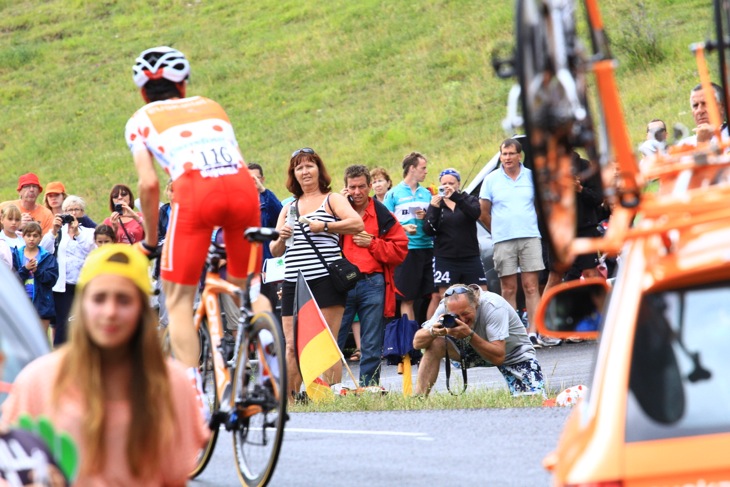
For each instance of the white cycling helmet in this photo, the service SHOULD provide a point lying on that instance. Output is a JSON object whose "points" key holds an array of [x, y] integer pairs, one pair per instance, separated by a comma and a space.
{"points": [[160, 62]]}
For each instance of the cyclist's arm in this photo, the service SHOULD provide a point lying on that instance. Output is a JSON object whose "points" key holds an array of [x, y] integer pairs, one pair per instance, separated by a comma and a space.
{"points": [[149, 195], [349, 221]]}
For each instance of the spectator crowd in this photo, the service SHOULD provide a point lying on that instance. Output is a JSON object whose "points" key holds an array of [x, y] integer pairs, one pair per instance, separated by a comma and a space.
{"points": [[415, 245], [411, 243]]}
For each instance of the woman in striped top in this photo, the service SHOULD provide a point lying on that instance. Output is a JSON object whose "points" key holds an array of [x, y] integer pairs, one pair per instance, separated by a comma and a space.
{"points": [[326, 215]]}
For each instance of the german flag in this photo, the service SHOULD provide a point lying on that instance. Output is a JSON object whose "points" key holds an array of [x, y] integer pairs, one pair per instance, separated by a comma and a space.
{"points": [[316, 348]]}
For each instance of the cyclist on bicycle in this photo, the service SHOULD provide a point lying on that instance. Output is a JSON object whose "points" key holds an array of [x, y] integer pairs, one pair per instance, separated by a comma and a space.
{"points": [[193, 140]]}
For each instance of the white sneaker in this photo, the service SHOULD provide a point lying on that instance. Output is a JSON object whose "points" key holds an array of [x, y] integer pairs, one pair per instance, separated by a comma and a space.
{"points": [[548, 342], [339, 389], [196, 381]]}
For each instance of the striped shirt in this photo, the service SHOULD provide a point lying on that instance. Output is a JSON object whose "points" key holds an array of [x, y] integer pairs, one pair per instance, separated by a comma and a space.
{"points": [[300, 254]]}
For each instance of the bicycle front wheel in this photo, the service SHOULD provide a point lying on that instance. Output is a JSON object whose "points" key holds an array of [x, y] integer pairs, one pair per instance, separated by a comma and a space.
{"points": [[259, 400], [209, 388], [554, 113]]}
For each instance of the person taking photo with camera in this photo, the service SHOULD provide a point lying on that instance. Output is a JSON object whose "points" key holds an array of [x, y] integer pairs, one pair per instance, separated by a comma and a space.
{"points": [[479, 329], [70, 242], [451, 219], [127, 223]]}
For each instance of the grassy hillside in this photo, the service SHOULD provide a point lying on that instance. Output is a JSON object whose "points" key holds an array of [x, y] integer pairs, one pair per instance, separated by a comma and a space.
{"points": [[361, 82]]}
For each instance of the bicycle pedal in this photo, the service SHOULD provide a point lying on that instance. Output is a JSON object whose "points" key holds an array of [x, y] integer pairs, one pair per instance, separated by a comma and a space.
{"points": [[216, 419]]}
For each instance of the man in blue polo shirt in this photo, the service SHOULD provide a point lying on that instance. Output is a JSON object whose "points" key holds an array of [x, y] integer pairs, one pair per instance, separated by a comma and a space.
{"points": [[507, 200], [408, 202]]}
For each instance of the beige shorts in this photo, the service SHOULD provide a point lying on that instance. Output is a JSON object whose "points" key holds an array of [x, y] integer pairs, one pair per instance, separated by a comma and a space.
{"points": [[519, 254]]}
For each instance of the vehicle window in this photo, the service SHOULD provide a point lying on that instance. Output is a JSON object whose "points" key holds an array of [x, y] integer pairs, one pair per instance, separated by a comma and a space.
{"points": [[679, 384]]}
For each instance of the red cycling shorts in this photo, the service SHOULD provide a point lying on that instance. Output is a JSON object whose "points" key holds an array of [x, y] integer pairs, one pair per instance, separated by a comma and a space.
{"points": [[198, 206]]}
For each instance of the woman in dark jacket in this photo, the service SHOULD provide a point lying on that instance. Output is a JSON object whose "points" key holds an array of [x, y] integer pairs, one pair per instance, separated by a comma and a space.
{"points": [[451, 219]]}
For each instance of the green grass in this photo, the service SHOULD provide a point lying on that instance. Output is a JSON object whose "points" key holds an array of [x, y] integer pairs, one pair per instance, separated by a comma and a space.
{"points": [[362, 82], [395, 401]]}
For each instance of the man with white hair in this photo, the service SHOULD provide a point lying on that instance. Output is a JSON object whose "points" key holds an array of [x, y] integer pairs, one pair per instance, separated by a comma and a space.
{"points": [[704, 131], [478, 329]]}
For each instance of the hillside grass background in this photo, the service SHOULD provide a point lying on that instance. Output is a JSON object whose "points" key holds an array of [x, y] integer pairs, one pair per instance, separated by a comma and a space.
{"points": [[361, 82]]}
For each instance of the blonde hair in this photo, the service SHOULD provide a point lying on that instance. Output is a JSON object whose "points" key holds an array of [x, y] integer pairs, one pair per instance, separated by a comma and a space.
{"points": [[10, 211], [150, 397]]}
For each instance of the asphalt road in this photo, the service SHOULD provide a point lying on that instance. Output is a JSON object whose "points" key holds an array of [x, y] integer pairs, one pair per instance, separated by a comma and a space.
{"points": [[490, 447]]}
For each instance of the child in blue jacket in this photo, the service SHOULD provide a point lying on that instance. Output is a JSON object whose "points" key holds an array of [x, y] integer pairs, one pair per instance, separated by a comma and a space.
{"points": [[38, 272]]}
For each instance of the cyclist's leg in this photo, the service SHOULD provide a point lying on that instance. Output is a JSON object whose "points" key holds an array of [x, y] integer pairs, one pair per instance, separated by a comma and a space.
{"points": [[183, 257], [242, 212], [261, 303], [183, 335]]}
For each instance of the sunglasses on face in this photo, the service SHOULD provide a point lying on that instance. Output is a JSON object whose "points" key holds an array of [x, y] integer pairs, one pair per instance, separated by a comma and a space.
{"points": [[456, 290], [305, 150]]}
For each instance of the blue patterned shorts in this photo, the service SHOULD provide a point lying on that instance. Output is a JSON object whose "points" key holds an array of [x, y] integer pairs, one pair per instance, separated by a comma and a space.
{"points": [[523, 378]]}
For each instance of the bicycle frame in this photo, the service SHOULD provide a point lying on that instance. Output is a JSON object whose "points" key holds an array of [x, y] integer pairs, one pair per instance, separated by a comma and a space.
{"points": [[210, 308]]}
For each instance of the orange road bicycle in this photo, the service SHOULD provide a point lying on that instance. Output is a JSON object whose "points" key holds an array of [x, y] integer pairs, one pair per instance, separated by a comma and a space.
{"points": [[243, 373]]}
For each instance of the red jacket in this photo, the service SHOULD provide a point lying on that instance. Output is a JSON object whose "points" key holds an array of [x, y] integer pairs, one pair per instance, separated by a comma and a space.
{"points": [[387, 250]]}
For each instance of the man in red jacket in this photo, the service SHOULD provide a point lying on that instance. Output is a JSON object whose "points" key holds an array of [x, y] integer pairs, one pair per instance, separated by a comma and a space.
{"points": [[376, 251]]}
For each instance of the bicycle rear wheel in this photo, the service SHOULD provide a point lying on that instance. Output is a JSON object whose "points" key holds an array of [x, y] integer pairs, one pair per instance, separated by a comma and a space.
{"points": [[209, 388], [259, 400]]}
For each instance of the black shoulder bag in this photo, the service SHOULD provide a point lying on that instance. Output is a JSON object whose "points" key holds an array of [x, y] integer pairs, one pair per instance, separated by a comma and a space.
{"points": [[344, 274]]}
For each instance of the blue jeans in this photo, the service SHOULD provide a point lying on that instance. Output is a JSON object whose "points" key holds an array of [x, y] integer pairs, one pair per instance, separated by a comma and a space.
{"points": [[367, 300]]}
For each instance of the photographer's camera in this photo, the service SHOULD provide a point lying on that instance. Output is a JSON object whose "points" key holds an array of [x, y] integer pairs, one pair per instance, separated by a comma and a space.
{"points": [[66, 219], [448, 320]]}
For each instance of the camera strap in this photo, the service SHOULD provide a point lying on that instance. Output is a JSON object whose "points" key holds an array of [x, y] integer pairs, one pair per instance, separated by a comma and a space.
{"points": [[57, 242], [129, 237], [448, 365]]}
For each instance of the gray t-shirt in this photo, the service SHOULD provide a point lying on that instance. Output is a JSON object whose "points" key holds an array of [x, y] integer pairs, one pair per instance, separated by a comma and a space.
{"points": [[496, 320]]}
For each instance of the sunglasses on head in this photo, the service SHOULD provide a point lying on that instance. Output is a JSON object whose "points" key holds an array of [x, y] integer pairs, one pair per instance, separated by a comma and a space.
{"points": [[306, 150], [456, 290]]}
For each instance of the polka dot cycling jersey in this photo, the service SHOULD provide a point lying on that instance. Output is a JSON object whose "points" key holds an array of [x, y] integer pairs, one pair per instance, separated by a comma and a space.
{"points": [[186, 134]]}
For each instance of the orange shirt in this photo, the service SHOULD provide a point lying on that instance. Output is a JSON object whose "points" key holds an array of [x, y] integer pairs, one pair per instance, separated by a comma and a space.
{"points": [[41, 214], [31, 393]]}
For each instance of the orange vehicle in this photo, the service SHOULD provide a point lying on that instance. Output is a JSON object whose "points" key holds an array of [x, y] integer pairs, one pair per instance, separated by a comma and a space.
{"points": [[658, 409]]}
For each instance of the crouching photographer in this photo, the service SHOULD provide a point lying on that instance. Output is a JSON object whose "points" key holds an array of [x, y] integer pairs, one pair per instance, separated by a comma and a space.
{"points": [[480, 329]]}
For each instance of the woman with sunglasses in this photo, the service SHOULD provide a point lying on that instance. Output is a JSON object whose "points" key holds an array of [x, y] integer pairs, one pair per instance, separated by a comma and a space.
{"points": [[130, 411], [323, 215], [127, 223], [451, 219]]}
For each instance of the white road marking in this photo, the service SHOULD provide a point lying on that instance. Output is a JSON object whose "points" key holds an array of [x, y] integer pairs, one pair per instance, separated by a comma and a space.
{"points": [[355, 432]]}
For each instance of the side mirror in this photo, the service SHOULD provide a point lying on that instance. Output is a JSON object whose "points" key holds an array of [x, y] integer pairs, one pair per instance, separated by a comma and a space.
{"points": [[573, 309]]}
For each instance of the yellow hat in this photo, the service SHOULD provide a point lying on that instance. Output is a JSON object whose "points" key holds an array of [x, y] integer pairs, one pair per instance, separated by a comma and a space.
{"points": [[119, 260]]}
